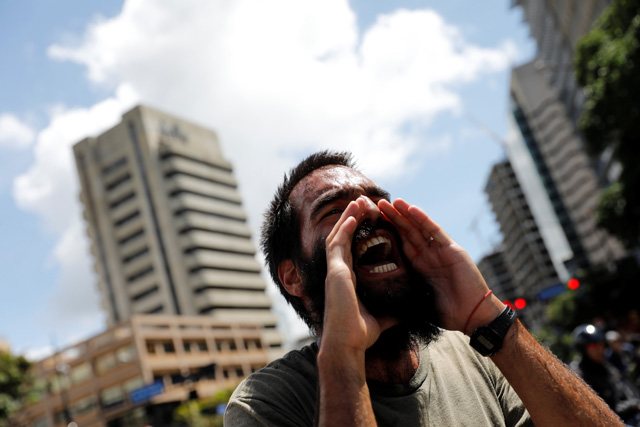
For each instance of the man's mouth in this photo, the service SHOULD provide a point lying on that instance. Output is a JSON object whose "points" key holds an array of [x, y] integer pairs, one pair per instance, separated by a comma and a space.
{"points": [[375, 255]]}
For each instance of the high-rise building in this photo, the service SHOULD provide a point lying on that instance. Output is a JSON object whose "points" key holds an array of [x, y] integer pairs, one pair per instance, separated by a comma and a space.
{"points": [[562, 164], [167, 228], [525, 253], [497, 275], [557, 26]]}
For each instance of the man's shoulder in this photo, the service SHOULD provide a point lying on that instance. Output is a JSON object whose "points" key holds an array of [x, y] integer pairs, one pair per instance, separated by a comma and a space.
{"points": [[296, 364], [286, 386]]}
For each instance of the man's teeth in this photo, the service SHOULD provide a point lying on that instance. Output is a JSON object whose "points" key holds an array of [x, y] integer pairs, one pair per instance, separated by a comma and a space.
{"points": [[376, 241], [384, 268]]}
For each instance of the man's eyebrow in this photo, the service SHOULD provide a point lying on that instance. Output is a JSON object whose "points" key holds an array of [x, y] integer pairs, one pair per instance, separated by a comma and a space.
{"points": [[344, 194], [375, 191]]}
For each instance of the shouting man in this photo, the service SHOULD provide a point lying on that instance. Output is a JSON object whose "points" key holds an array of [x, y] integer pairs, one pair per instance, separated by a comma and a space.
{"points": [[391, 296]]}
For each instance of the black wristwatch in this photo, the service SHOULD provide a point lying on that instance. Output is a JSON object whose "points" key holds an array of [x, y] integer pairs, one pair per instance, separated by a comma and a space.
{"points": [[487, 340]]}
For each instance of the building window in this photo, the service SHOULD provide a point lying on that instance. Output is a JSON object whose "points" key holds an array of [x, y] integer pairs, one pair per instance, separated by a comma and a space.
{"points": [[151, 347], [80, 373], [145, 293], [115, 165], [111, 397], [122, 221], [58, 383], [250, 344], [133, 384], [118, 182], [139, 274], [135, 255], [83, 406], [124, 199], [156, 310], [177, 378], [105, 363], [168, 347], [126, 354], [130, 237]]}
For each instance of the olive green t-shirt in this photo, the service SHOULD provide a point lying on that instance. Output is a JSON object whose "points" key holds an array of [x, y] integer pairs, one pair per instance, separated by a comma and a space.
{"points": [[453, 386]]}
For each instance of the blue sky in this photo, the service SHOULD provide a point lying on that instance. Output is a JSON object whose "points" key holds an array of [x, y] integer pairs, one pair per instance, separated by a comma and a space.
{"points": [[393, 81]]}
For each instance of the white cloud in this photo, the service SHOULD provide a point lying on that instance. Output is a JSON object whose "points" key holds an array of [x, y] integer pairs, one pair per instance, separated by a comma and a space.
{"points": [[14, 134], [50, 189], [36, 354], [276, 79], [75, 297], [50, 186]]}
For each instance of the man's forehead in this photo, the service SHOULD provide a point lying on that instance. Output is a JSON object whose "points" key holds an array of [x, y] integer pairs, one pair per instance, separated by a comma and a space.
{"points": [[329, 178]]}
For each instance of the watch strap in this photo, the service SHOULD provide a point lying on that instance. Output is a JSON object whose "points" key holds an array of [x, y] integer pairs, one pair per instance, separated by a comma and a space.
{"points": [[487, 340]]}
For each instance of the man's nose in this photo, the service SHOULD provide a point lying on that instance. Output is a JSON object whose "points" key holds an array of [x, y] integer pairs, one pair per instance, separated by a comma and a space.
{"points": [[371, 213]]}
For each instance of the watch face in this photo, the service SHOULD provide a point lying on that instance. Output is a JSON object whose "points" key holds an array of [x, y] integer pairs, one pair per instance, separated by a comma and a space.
{"points": [[486, 341]]}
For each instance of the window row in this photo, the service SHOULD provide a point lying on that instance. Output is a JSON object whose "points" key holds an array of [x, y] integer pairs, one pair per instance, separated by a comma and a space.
{"points": [[200, 346]]}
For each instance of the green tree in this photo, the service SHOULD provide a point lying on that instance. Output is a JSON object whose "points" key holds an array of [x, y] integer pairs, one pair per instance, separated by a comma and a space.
{"points": [[13, 383], [607, 66], [203, 413]]}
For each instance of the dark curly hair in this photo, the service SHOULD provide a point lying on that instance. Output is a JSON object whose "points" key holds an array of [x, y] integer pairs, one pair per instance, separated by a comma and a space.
{"points": [[280, 238]]}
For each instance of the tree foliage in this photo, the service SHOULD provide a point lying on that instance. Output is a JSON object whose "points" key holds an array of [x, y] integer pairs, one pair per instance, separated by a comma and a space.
{"points": [[607, 66], [204, 413], [13, 383], [609, 294]]}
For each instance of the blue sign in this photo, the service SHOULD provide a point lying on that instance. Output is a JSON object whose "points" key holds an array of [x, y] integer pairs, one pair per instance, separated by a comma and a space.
{"points": [[146, 392], [551, 291]]}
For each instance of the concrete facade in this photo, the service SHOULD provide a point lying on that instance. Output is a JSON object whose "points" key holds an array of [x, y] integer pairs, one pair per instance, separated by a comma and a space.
{"points": [[497, 275], [524, 253], [168, 231], [557, 26], [569, 178], [97, 383]]}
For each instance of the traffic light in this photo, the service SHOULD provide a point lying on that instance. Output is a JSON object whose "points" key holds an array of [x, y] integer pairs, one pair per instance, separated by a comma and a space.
{"points": [[517, 304], [573, 284]]}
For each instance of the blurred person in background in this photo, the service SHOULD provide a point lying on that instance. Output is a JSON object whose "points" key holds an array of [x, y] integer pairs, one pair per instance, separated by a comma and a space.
{"points": [[602, 376], [620, 353]]}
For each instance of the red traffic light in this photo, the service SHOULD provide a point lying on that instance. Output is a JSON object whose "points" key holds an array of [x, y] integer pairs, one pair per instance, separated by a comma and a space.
{"points": [[573, 284], [520, 303], [509, 303]]}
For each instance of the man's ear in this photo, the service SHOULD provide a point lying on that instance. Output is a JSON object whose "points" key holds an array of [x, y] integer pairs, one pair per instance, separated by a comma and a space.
{"points": [[290, 277]]}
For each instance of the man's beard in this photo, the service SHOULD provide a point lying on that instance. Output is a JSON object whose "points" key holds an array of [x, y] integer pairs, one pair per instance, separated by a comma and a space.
{"points": [[408, 298]]}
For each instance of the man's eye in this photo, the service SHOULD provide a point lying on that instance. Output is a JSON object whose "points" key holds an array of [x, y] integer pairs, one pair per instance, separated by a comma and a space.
{"points": [[332, 212]]}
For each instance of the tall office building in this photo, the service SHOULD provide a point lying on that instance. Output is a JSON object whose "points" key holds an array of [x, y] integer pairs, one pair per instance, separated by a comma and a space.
{"points": [[167, 227], [557, 26], [525, 254], [562, 164], [493, 268]]}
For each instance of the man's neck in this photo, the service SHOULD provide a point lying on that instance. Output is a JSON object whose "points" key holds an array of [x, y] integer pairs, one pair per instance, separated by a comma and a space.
{"points": [[398, 370]]}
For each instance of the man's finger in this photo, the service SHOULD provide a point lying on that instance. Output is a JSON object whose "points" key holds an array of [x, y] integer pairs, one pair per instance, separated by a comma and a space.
{"points": [[412, 233], [422, 221], [350, 211]]}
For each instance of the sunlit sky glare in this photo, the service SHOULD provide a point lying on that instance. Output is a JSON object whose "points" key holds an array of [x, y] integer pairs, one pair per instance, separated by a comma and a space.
{"points": [[392, 81]]}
